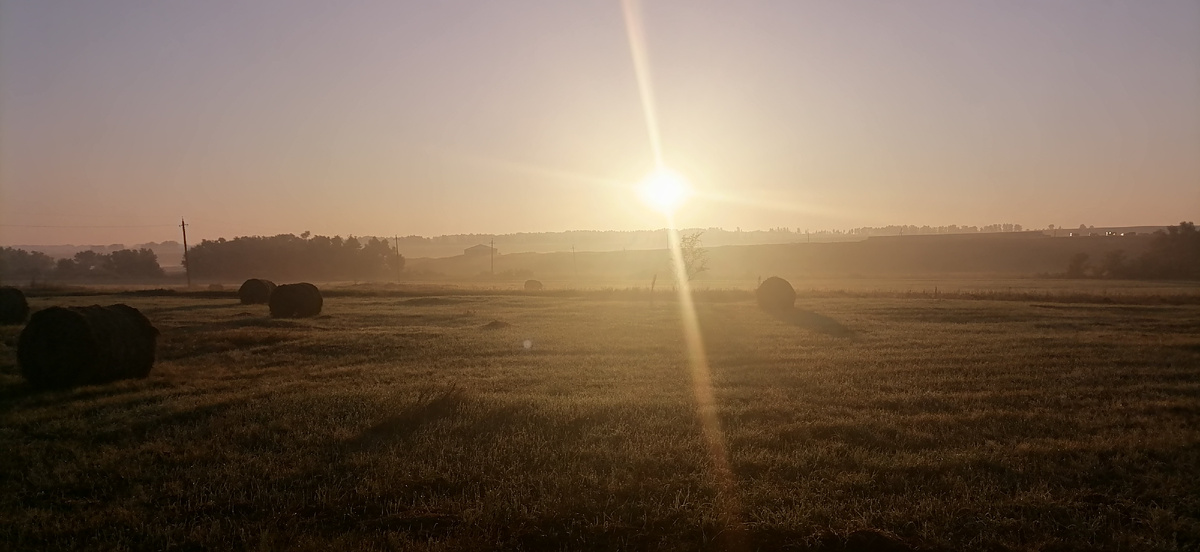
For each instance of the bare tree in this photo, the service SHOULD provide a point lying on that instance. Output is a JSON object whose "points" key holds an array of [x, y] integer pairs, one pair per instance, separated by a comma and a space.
{"points": [[695, 257]]}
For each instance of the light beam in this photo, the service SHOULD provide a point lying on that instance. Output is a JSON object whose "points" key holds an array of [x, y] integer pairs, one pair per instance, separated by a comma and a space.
{"points": [[706, 405]]}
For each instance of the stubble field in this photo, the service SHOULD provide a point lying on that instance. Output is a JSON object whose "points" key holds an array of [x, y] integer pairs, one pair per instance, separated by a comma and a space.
{"points": [[569, 421]]}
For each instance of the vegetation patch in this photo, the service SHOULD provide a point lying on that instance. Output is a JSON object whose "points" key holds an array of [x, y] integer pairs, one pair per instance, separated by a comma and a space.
{"points": [[933, 424]]}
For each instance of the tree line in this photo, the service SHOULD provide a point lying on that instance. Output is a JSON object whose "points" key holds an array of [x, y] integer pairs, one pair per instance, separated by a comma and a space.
{"points": [[122, 264], [283, 257], [1174, 254], [912, 229], [291, 257]]}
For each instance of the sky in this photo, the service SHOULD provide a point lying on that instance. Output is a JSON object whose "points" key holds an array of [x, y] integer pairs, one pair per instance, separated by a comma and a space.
{"points": [[118, 118]]}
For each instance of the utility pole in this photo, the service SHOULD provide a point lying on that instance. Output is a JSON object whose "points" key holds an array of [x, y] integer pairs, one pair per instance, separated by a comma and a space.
{"points": [[493, 270], [397, 238], [187, 267]]}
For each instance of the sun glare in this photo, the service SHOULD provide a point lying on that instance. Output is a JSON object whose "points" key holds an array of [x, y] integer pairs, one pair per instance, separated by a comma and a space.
{"points": [[665, 190]]}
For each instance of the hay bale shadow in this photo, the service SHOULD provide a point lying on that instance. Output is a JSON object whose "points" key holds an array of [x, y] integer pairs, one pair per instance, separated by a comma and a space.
{"points": [[249, 321], [21, 390], [12, 395], [186, 308], [430, 301], [863, 540], [159, 292], [813, 321]]}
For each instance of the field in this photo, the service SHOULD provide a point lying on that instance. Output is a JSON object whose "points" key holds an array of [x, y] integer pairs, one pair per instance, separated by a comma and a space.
{"points": [[561, 421]]}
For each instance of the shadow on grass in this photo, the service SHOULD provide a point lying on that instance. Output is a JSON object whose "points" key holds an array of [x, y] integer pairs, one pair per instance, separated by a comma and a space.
{"points": [[251, 321], [193, 344], [429, 407], [163, 421], [1191, 347], [813, 321], [865, 540], [187, 308], [11, 395], [435, 301], [569, 534]]}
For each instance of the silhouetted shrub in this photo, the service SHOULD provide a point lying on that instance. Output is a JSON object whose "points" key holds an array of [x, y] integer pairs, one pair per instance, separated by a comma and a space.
{"points": [[775, 295], [296, 301], [256, 291], [14, 309], [1078, 265], [533, 285], [69, 346]]}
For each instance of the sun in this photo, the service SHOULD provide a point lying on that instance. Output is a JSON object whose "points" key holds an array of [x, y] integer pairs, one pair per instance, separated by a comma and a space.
{"points": [[664, 190]]}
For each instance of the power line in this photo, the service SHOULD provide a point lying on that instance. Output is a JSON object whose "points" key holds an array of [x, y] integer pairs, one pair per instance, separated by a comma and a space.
{"points": [[87, 226]]}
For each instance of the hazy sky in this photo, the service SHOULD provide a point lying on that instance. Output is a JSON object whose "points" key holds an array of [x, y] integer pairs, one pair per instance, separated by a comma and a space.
{"points": [[390, 117]]}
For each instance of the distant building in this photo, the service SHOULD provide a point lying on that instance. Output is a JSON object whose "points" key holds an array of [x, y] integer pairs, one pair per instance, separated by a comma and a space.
{"points": [[476, 250]]}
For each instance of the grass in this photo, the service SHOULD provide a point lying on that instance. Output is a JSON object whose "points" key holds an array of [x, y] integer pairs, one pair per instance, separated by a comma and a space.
{"points": [[392, 422]]}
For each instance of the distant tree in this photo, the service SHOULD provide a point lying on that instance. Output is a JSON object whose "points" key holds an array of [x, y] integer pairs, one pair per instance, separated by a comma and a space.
{"points": [[1172, 254], [1114, 265], [66, 269], [695, 257], [18, 264], [1078, 265], [88, 262], [120, 264], [129, 263]]}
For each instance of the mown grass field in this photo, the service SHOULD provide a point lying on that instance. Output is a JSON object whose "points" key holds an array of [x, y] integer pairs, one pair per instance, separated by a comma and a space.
{"points": [[560, 422]]}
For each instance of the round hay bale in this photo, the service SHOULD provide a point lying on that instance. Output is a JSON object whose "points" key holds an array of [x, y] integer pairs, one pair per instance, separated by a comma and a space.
{"points": [[776, 295], [69, 346], [256, 291], [296, 301], [533, 285], [14, 309]]}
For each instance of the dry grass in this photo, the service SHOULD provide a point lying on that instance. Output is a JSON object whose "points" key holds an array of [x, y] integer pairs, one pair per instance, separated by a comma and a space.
{"points": [[397, 423]]}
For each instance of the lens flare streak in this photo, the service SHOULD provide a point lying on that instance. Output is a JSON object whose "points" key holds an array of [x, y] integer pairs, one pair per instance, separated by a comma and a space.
{"points": [[706, 405], [706, 402], [641, 69]]}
